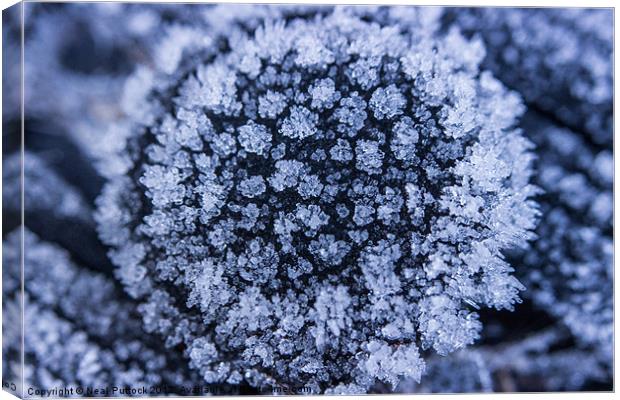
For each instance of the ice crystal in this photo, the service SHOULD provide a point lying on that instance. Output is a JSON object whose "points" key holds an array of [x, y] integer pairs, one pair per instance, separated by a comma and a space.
{"points": [[254, 138], [300, 124]]}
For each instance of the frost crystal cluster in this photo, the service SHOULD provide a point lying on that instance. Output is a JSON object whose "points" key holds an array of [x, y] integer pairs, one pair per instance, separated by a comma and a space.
{"points": [[319, 201]]}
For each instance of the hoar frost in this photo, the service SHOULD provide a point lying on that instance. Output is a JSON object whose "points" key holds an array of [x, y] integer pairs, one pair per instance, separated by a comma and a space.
{"points": [[321, 203], [78, 328]]}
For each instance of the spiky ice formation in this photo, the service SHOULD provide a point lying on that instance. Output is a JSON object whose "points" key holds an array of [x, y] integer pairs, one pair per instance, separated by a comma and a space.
{"points": [[319, 201], [568, 272]]}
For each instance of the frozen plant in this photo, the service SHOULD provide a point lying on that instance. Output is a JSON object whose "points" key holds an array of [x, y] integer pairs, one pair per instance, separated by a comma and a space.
{"points": [[78, 55], [321, 203], [46, 191], [464, 371], [570, 266], [78, 330], [559, 59], [56, 196], [540, 361], [11, 70], [568, 272], [543, 360]]}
